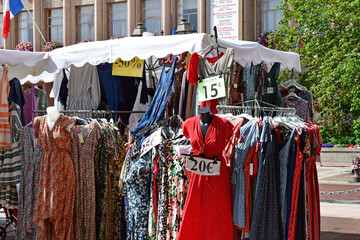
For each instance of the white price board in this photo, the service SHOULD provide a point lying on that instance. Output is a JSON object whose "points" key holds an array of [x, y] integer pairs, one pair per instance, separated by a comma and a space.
{"points": [[203, 166], [150, 142], [211, 88], [224, 14]]}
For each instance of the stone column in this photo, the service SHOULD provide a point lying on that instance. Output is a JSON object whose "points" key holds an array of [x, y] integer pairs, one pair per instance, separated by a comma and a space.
{"points": [[131, 16], [249, 27], [166, 17], [201, 16], [67, 17], [99, 20], [38, 41]]}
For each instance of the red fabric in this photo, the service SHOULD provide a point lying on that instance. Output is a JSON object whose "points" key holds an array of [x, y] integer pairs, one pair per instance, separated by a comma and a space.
{"points": [[295, 190], [229, 149], [6, 25], [193, 76], [208, 208], [211, 104], [248, 185], [313, 188]]}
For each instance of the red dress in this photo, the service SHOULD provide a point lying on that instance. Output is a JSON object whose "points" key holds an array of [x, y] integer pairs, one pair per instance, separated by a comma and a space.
{"points": [[56, 191], [208, 210]]}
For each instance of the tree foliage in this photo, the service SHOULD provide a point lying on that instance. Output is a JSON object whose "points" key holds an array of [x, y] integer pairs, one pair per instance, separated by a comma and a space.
{"points": [[326, 34]]}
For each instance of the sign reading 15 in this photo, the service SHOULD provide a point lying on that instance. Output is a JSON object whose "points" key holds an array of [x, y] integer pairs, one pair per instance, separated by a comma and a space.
{"points": [[211, 88]]}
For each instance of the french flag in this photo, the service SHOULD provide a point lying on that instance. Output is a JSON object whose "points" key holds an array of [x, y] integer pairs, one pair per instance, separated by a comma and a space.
{"points": [[11, 8]]}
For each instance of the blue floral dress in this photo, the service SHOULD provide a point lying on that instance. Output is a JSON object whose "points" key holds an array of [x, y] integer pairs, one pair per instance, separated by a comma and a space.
{"points": [[137, 182]]}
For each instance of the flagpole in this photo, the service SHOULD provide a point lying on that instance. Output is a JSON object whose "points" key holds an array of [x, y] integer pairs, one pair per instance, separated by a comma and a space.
{"points": [[34, 22]]}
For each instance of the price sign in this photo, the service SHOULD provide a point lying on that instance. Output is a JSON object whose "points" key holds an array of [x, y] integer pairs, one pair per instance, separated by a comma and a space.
{"points": [[150, 142], [211, 88], [133, 68], [203, 166]]}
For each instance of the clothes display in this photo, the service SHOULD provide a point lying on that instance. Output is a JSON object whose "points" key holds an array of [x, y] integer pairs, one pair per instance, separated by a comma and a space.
{"points": [[167, 166]]}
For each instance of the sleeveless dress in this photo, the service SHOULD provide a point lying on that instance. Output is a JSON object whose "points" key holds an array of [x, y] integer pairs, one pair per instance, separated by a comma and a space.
{"points": [[207, 211]]}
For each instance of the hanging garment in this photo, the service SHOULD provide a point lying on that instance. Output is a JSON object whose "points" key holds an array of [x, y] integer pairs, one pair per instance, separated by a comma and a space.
{"points": [[84, 88], [56, 190], [30, 105], [108, 83], [157, 106], [178, 189], [300, 144], [244, 151], [303, 109], [266, 222], [16, 95], [284, 159], [10, 164], [31, 156], [5, 136], [135, 118], [248, 81], [207, 211], [222, 66], [271, 92], [172, 105], [138, 185], [83, 147], [129, 87], [64, 91], [41, 99]]}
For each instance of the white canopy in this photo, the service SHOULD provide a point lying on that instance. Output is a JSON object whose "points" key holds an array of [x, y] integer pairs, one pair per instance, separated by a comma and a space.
{"points": [[25, 63]]}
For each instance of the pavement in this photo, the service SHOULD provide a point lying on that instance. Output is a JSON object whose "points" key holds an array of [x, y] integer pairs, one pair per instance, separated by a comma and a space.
{"points": [[340, 213]]}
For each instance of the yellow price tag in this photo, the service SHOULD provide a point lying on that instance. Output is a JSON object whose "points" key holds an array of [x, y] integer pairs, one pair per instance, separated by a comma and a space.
{"points": [[133, 68]]}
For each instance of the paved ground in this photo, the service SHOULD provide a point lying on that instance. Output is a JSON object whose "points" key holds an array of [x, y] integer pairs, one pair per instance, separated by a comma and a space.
{"points": [[340, 213]]}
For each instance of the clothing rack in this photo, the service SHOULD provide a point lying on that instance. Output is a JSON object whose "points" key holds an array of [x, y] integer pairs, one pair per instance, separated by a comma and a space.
{"points": [[223, 109], [161, 123], [92, 111]]}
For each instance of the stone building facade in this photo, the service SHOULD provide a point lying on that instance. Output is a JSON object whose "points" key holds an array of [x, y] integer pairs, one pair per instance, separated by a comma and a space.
{"points": [[71, 21]]}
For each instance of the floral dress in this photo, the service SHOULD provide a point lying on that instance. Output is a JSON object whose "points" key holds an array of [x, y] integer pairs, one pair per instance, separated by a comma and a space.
{"points": [[31, 159], [137, 182], [83, 146], [56, 192]]}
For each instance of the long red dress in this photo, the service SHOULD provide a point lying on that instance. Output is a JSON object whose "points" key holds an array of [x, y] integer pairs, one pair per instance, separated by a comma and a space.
{"points": [[208, 210]]}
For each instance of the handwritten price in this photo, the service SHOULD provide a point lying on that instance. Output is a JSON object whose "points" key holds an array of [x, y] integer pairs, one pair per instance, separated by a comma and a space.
{"points": [[133, 68]]}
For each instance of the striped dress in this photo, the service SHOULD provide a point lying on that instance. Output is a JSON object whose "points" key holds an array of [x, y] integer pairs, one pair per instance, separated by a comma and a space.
{"points": [[5, 135]]}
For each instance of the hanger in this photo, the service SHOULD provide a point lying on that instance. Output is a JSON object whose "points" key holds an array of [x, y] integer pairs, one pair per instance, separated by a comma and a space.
{"points": [[215, 46]]}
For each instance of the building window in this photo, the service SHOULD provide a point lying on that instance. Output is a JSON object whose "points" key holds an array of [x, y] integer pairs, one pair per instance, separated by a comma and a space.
{"points": [[1, 25], [25, 27], [187, 9], [270, 16], [55, 21], [118, 19], [86, 23], [152, 16]]}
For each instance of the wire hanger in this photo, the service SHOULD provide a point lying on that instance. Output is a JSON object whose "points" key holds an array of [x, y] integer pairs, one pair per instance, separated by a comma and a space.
{"points": [[215, 46]]}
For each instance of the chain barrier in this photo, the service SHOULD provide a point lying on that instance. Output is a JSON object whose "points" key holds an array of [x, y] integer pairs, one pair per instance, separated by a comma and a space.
{"points": [[340, 192]]}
